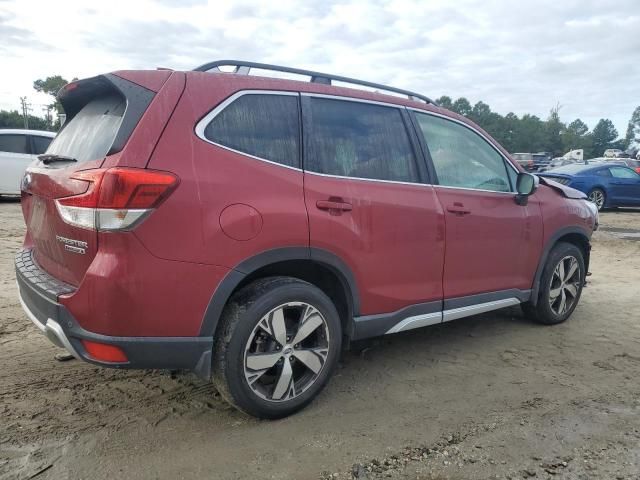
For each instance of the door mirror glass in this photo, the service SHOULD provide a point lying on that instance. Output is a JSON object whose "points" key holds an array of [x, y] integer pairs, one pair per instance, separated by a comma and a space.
{"points": [[526, 184]]}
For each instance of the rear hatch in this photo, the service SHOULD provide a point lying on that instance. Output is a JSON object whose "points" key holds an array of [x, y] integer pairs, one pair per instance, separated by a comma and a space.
{"points": [[102, 112]]}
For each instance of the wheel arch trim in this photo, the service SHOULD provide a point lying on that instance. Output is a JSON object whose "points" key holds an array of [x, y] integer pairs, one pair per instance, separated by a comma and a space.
{"points": [[230, 282], [553, 240]]}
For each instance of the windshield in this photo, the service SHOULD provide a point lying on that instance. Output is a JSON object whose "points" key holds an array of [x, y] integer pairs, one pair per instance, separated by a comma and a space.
{"points": [[91, 132]]}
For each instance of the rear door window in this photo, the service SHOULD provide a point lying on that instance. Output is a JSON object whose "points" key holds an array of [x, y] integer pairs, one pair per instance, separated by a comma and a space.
{"points": [[14, 143], [91, 132], [40, 144], [360, 140], [620, 172], [462, 158], [266, 126]]}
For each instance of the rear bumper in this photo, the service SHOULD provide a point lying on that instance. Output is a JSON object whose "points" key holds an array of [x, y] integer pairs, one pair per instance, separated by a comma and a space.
{"points": [[38, 293]]}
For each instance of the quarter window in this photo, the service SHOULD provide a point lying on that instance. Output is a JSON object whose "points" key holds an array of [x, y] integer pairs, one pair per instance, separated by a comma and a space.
{"points": [[12, 143], [40, 144], [360, 140], [262, 125], [619, 172], [462, 158]]}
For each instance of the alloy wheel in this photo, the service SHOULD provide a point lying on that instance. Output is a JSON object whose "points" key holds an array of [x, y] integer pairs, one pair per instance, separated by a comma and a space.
{"points": [[565, 285], [597, 197], [286, 351]]}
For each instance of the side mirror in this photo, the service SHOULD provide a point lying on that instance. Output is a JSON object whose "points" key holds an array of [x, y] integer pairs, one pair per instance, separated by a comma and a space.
{"points": [[526, 185]]}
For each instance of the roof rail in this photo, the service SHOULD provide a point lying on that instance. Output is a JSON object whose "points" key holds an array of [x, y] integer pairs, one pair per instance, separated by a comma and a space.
{"points": [[242, 67]]}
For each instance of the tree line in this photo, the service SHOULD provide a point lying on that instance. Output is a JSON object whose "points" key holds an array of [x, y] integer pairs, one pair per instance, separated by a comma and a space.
{"points": [[528, 133]]}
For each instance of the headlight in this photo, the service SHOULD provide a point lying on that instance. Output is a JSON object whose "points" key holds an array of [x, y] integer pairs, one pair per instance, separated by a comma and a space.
{"points": [[594, 212]]}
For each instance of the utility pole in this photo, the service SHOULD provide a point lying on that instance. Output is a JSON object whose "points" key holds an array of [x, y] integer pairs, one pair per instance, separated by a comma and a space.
{"points": [[47, 114], [25, 111]]}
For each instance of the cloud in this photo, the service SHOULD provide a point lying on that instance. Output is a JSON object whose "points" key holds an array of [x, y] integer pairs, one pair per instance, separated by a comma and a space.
{"points": [[14, 38], [515, 56]]}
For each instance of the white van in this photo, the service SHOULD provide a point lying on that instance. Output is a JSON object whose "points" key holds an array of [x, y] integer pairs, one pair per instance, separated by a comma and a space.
{"points": [[18, 148]]}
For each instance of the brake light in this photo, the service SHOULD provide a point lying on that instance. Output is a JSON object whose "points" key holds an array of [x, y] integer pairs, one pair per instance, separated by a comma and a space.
{"points": [[116, 198], [638, 170], [104, 352]]}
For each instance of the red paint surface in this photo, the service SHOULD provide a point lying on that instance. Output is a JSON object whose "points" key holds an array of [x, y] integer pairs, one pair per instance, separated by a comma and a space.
{"points": [[392, 239], [158, 279]]}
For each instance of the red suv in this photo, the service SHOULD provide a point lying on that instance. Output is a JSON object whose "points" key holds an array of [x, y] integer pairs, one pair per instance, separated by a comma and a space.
{"points": [[248, 227]]}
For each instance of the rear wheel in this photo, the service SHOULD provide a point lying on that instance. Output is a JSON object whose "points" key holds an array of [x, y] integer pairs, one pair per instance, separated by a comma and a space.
{"points": [[560, 286], [598, 197], [278, 344]]}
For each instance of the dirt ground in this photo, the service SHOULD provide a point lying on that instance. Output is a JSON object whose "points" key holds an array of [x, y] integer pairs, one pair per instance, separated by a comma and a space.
{"points": [[492, 396]]}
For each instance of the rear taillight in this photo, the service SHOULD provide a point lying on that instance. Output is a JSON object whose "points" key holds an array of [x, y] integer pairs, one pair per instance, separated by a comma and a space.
{"points": [[116, 198], [638, 170]]}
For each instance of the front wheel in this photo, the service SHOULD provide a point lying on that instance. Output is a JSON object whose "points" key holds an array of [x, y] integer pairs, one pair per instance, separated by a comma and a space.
{"points": [[279, 342], [560, 285], [598, 197]]}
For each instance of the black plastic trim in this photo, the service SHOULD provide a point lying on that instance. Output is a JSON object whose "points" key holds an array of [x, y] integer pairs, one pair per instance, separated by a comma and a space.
{"points": [[137, 97], [375, 325], [535, 287], [189, 353], [470, 300], [243, 269]]}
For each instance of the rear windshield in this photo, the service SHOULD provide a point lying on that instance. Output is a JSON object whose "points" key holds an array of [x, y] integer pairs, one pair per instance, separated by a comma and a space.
{"points": [[91, 132]]}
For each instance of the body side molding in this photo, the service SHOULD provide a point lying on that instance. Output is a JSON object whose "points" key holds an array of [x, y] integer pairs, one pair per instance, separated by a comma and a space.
{"points": [[431, 313]]}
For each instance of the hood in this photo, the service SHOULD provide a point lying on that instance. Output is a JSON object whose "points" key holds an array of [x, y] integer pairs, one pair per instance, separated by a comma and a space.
{"points": [[568, 192]]}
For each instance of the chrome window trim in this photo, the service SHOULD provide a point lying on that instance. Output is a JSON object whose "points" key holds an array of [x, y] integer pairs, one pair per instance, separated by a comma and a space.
{"points": [[352, 99], [398, 182], [204, 121], [474, 189], [478, 132]]}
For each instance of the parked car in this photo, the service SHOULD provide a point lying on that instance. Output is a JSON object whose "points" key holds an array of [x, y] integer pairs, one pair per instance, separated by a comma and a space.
{"points": [[247, 228], [18, 148], [627, 162], [612, 152], [606, 184], [532, 162]]}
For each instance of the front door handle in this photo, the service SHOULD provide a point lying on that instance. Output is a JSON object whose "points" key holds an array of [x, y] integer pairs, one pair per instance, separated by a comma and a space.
{"points": [[334, 205], [458, 209]]}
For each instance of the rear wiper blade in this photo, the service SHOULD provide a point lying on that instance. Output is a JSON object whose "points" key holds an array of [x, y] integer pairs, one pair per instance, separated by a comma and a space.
{"points": [[48, 158]]}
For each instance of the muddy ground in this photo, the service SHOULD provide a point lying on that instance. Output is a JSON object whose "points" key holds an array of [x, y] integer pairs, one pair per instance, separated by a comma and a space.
{"points": [[492, 396]]}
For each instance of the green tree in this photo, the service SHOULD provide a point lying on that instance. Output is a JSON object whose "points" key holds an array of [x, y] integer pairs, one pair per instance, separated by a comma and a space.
{"points": [[632, 138], [51, 86], [576, 136], [445, 102], [530, 135], [602, 136], [13, 119], [554, 128], [462, 106]]}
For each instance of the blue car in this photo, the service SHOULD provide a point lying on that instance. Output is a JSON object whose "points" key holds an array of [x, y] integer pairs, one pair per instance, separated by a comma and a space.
{"points": [[606, 185]]}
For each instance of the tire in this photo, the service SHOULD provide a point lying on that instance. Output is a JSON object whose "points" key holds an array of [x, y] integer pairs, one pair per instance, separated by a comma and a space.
{"points": [[599, 197], [548, 309], [253, 334]]}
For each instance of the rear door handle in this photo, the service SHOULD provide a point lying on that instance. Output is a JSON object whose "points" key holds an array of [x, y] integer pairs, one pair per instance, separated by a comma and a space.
{"points": [[335, 205], [458, 209]]}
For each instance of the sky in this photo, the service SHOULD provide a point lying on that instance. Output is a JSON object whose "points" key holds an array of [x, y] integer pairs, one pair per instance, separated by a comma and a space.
{"points": [[520, 56]]}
